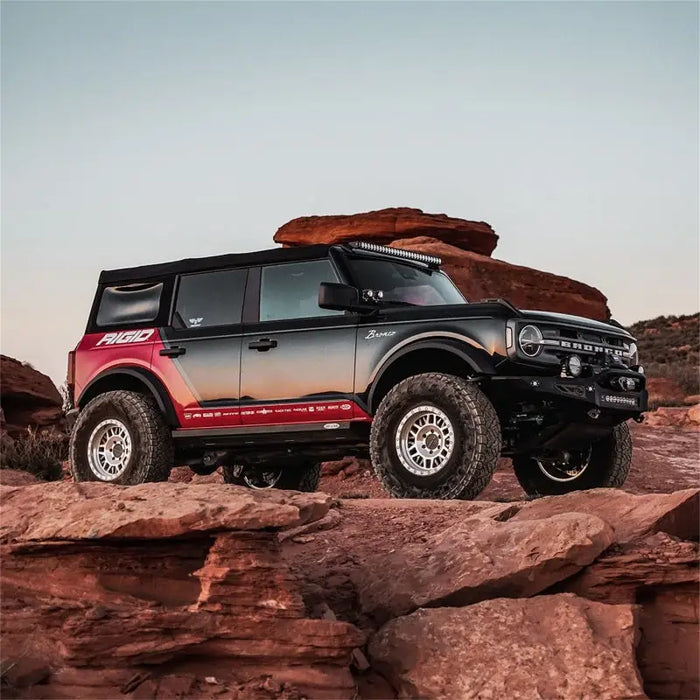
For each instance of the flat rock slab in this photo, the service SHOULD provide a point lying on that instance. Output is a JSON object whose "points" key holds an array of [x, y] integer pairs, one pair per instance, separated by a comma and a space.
{"points": [[630, 515], [547, 647], [481, 558], [93, 511]]}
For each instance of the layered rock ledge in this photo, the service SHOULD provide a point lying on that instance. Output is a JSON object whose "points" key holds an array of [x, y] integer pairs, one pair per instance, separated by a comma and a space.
{"points": [[161, 590]]}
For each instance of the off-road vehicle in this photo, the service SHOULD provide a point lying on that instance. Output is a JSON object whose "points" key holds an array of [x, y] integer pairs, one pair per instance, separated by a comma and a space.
{"points": [[269, 363]]}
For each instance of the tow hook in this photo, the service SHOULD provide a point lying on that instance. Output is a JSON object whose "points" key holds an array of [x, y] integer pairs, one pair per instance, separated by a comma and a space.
{"points": [[638, 419]]}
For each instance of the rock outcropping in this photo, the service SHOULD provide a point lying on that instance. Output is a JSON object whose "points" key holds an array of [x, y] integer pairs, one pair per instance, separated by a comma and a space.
{"points": [[387, 225], [162, 590], [28, 398], [465, 248], [211, 590]]}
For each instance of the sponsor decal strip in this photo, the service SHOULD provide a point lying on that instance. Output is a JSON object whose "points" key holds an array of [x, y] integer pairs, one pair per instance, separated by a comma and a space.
{"points": [[328, 412]]}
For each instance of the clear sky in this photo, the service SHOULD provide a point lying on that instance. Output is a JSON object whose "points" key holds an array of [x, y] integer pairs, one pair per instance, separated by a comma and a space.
{"points": [[141, 132]]}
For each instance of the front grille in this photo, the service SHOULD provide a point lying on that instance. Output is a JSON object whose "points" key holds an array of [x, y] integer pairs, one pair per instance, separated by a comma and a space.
{"points": [[594, 348]]}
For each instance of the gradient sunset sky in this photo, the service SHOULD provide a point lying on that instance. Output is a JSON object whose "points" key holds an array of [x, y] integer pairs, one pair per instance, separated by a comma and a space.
{"points": [[140, 132]]}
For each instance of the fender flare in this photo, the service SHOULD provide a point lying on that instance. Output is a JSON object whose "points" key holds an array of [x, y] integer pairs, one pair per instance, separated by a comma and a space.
{"points": [[478, 359], [155, 388]]}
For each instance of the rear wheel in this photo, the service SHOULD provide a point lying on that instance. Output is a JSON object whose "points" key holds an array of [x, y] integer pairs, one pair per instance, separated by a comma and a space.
{"points": [[121, 437], [435, 436], [603, 464], [304, 477]]}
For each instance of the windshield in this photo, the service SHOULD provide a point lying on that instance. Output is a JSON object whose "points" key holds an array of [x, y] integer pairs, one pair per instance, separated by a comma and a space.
{"points": [[403, 283]]}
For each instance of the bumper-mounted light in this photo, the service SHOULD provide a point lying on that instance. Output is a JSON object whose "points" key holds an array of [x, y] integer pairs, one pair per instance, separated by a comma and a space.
{"points": [[573, 366]]}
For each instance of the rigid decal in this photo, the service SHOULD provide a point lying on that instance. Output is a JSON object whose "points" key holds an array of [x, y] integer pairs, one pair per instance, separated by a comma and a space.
{"points": [[124, 337]]}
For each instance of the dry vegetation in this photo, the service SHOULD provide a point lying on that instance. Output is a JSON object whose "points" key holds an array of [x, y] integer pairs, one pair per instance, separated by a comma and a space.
{"points": [[39, 453], [669, 348]]}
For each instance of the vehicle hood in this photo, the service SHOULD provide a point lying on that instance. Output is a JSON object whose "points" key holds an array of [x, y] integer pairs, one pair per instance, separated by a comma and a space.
{"points": [[569, 320]]}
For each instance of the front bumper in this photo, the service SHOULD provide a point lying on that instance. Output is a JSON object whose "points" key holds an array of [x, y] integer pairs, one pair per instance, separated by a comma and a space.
{"points": [[590, 392]]}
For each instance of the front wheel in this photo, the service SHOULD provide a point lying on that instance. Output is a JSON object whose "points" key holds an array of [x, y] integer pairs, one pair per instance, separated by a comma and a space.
{"points": [[603, 464], [435, 436], [304, 477]]}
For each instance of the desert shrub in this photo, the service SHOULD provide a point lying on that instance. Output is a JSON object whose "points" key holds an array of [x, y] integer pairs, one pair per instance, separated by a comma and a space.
{"points": [[39, 453], [672, 350]]}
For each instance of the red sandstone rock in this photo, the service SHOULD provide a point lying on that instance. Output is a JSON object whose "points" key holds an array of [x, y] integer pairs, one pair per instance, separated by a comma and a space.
{"points": [[557, 646], [28, 398], [687, 418], [630, 516], [386, 225], [171, 576], [480, 277], [93, 511], [481, 558], [660, 574], [15, 477]]}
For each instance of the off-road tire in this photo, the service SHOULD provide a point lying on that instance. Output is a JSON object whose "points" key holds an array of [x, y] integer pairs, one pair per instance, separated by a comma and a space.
{"points": [[298, 478], [151, 456], [608, 467], [477, 434]]}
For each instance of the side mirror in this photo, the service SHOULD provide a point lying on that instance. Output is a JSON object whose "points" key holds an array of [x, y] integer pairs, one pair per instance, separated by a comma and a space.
{"points": [[341, 297]]}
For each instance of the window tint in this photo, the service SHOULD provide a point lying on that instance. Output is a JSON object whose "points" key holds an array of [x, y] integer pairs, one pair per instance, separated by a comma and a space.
{"points": [[210, 299], [129, 304], [291, 290], [405, 284]]}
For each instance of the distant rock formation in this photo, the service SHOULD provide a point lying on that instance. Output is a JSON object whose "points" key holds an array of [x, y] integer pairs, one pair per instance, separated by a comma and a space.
{"points": [[387, 225], [28, 398], [465, 248]]}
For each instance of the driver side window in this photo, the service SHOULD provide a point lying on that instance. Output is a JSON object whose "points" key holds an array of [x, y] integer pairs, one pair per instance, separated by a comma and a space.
{"points": [[290, 290]]}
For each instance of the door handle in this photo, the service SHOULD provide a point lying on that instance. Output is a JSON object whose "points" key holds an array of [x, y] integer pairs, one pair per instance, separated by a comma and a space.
{"points": [[175, 351], [263, 345]]}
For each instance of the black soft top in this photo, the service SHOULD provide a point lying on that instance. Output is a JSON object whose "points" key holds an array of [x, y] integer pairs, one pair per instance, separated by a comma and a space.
{"points": [[213, 262]]}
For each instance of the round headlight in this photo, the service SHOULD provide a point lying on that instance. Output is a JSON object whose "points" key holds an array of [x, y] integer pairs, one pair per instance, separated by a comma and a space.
{"points": [[574, 366], [530, 340]]}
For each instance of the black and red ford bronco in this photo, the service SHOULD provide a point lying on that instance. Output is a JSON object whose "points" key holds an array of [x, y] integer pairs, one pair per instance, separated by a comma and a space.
{"points": [[269, 363]]}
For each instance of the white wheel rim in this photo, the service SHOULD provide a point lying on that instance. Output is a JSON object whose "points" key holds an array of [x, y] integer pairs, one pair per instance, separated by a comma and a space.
{"points": [[263, 480], [425, 440], [109, 449], [562, 468]]}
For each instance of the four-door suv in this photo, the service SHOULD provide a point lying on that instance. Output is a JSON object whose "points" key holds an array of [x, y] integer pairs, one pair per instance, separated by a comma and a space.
{"points": [[269, 363]]}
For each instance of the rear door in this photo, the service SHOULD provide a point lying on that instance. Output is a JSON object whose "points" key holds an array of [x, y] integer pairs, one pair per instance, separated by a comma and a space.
{"points": [[297, 360], [201, 357]]}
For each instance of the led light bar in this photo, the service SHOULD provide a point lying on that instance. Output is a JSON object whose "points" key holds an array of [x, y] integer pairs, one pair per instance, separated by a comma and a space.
{"points": [[431, 260]]}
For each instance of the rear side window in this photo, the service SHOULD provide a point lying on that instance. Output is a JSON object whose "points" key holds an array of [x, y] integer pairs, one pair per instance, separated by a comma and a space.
{"points": [[290, 291], [210, 299], [129, 304]]}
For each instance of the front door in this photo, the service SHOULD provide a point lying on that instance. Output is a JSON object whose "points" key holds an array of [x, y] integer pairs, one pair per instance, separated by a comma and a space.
{"points": [[203, 348], [297, 360]]}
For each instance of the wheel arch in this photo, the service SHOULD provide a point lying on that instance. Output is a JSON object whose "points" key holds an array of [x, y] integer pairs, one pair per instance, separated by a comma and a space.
{"points": [[130, 379], [439, 355]]}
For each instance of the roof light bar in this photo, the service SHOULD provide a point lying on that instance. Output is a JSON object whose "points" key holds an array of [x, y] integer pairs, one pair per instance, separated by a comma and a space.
{"points": [[431, 260]]}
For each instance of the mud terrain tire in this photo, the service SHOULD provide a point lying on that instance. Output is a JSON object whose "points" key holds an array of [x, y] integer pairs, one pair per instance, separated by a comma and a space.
{"points": [[452, 403], [137, 426], [608, 467], [301, 478]]}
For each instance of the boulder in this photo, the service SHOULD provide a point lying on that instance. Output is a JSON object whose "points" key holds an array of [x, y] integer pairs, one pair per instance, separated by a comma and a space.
{"points": [[660, 574], [386, 225], [557, 646], [108, 590], [480, 277], [481, 558], [630, 515], [28, 398], [94, 511]]}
